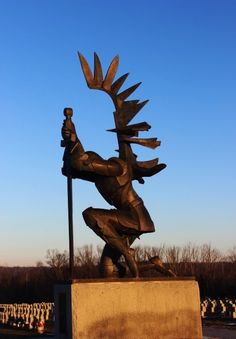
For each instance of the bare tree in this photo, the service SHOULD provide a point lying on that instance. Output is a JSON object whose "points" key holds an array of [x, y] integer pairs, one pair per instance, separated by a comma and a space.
{"points": [[209, 254], [56, 259], [158, 251], [140, 253], [144, 253], [231, 257], [87, 255], [190, 253], [173, 254]]}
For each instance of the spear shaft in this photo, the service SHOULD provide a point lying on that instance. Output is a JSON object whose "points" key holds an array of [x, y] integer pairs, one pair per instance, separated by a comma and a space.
{"points": [[70, 224], [68, 112]]}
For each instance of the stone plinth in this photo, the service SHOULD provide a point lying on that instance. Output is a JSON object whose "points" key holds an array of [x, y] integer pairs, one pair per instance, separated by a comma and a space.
{"points": [[147, 309]]}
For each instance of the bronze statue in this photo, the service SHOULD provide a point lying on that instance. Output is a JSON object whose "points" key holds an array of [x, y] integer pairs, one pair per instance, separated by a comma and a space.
{"points": [[129, 218]]}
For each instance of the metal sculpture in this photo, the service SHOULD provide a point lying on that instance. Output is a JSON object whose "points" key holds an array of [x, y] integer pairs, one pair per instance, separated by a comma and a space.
{"points": [[129, 219]]}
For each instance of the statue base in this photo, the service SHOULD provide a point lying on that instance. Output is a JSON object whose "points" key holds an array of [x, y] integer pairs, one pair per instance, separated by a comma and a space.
{"points": [[133, 308]]}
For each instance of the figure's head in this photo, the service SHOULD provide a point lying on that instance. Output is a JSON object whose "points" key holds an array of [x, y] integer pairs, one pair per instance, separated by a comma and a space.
{"points": [[68, 112]]}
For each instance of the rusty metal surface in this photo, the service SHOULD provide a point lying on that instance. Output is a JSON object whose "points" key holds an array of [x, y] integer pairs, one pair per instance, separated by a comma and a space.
{"points": [[113, 177]]}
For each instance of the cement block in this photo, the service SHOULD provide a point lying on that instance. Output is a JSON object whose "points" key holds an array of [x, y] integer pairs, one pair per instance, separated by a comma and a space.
{"points": [[131, 309]]}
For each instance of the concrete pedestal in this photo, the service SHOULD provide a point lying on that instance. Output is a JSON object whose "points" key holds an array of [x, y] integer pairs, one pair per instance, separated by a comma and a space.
{"points": [[147, 309]]}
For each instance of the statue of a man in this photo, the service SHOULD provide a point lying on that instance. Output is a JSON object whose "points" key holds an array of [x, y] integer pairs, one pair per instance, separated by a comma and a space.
{"points": [[129, 218], [120, 226]]}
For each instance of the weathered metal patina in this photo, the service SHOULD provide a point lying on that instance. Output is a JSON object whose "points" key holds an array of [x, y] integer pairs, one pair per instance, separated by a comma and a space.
{"points": [[129, 219]]}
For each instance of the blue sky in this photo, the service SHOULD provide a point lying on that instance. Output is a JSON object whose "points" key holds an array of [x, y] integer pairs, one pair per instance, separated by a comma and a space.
{"points": [[184, 52]]}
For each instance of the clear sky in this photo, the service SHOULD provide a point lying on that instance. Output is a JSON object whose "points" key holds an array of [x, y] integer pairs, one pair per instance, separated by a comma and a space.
{"points": [[184, 52]]}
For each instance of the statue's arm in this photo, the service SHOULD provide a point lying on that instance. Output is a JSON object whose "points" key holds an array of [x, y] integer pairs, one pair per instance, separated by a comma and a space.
{"points": [[78, 162], [93, 163]]}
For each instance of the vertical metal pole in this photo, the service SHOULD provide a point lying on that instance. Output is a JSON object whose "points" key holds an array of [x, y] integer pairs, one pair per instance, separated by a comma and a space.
{"points": [[70, 223], [68, 112]]}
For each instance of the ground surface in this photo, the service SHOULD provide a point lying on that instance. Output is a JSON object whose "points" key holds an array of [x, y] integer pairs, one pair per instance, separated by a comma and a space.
{"points": [[219, 329], [212, 329], [8, 333]]}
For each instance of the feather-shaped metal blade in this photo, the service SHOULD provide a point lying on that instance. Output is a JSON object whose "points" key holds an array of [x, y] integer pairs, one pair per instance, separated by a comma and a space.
{"points": [[86, 70], [111, 72], [147, 163], [141, 105], [98, 76], [149, 142], [131, 129], [126, 93], [147, 170], [125, 113], [118, 83], [141, 126], [128, 111]]}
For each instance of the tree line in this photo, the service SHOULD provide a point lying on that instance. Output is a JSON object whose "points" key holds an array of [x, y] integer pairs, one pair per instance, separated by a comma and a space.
{"points": [[214, 271]]}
